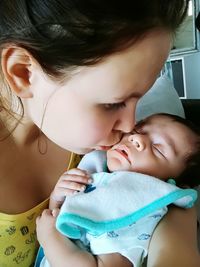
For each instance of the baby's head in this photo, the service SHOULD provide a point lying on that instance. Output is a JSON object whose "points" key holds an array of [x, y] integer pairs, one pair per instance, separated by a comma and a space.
{"points": [[163, 145]]}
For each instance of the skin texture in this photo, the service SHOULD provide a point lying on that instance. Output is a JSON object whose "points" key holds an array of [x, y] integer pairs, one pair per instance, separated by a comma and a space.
{"points": [[158, 146], [170, 232], [74, 115], [102, 98], [68, 254], [89, 110]]}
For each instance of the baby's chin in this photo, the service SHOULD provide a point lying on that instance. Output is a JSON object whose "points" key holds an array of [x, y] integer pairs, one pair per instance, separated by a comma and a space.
{"points": [[116, 165]]}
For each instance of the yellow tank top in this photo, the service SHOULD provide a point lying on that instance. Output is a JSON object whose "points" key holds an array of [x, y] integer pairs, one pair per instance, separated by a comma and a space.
{"points": [[18, 243]]}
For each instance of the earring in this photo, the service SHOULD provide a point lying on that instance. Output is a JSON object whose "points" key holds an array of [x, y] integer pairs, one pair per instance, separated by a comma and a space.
{"points": [[42, 141]]}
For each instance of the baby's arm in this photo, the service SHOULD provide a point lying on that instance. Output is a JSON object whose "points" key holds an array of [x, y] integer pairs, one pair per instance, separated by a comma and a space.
{"points": [[72, 181], [61, 251]]}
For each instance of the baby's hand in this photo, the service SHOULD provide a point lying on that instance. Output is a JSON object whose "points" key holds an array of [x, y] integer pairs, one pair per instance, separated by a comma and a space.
{"points": [[71, 182]]}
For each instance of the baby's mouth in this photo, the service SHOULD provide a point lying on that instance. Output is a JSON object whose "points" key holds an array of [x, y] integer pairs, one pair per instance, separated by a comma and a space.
{"points": [[124, 153]]}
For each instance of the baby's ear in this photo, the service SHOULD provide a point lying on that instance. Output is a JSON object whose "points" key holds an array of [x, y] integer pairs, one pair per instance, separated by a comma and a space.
{"points": [[16, 65]]}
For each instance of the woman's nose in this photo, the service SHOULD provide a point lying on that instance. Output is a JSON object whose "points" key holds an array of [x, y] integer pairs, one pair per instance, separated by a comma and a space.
{"points": [[125, 126], [126, 120], [137, 141]]}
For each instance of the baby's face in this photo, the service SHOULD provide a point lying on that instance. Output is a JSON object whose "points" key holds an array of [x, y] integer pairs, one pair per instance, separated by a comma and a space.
{"points": [[158, 146]]}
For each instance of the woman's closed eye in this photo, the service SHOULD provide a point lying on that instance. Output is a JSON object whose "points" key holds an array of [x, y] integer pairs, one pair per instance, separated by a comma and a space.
{"points": [[114, 106]]}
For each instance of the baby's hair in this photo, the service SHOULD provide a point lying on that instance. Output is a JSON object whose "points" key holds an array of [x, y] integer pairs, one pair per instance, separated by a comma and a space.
{"points": [[191, 174]]}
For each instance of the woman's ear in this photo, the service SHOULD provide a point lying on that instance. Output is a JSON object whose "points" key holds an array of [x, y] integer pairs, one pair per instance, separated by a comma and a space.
{"points": [[16, 65]]}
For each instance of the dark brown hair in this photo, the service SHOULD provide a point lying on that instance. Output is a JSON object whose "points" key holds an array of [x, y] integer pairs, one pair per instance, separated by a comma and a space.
{"points": [[65, 33], [191, 174]]}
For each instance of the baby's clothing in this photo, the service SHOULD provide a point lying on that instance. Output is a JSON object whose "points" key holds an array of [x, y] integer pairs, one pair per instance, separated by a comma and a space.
{"points": [[119, 211]]}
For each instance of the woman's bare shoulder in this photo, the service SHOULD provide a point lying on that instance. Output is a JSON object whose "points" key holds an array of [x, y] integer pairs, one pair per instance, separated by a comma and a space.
{"points": [[174, 241]]}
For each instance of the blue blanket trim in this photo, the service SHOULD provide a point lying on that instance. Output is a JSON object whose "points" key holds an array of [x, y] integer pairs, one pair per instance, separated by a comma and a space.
{"points": [[65, 221], [39, 257]]}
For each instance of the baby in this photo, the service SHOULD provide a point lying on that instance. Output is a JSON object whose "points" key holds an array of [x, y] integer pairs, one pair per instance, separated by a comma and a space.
{"points": [[128, 195]]}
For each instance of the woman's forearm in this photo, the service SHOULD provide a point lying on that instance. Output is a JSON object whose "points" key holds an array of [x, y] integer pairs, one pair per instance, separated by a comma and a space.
{"points": [[63, 252], [174, 242]]}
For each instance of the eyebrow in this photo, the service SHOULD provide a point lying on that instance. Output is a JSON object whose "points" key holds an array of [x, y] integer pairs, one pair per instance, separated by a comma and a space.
{"points": [[133, 95]]}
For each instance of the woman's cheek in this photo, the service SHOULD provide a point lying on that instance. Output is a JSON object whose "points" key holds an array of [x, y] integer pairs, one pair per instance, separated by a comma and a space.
{"points": [[98, 134], [100, 131]]}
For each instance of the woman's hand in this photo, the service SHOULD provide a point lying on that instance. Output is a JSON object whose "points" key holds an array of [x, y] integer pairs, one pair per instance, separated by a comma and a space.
{"points": [[45, 226], [60, 251], [71, 182]]}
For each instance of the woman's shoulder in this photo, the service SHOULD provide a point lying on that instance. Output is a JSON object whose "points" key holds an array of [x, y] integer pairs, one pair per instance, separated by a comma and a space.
{"points": [[175, 238]]}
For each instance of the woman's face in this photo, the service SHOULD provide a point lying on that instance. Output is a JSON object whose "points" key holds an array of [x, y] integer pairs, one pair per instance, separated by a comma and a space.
{"points": [[97, 104]]}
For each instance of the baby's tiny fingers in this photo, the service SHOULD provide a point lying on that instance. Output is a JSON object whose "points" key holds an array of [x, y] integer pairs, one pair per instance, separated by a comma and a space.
{"points": [[72, 185], [76, 171], [62, 193], [55, 212], [78, 178]]}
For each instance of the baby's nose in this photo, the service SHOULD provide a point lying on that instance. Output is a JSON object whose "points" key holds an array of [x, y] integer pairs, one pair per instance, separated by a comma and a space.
{"points": [[137, 141]]}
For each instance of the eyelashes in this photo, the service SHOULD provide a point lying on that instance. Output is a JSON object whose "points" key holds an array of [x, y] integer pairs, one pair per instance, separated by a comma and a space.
{"points": [[158, 151], [115, 106]]}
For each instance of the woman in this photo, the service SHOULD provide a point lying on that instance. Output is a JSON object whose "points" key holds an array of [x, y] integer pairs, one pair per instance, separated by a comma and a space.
{"points": [[76, 67]]}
